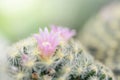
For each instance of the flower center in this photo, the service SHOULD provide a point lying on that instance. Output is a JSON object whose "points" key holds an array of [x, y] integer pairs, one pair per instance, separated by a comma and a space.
{"points": [[46, 44]]}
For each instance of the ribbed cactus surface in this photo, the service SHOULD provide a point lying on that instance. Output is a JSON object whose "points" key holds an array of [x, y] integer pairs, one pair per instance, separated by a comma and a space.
{"points": [[101, 36], [35, 59]]}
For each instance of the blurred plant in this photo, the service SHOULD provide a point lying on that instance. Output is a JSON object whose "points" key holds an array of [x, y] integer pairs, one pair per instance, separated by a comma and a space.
{"points": [[67, 61], [4, 43], [101, 36]]}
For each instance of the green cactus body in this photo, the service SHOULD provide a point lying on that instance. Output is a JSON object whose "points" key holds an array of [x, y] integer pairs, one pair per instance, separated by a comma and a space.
{"points": [[101, 36], [70, 62]]}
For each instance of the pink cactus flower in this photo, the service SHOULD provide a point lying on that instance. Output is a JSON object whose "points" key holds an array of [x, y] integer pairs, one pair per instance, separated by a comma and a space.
{"points": [[25, 58], [64, 33], [47, 42]]}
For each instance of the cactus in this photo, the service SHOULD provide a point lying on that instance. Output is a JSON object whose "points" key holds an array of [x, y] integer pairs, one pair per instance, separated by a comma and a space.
{"points": [[30, 59], [101, 36]]}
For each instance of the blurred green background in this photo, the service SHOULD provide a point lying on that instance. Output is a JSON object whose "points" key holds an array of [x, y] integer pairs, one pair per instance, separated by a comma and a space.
{"points": [[22, 18]]}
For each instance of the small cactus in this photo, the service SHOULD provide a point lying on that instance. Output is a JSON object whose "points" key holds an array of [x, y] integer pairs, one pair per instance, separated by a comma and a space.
{"points": [[101, 36], [29, 59]]}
